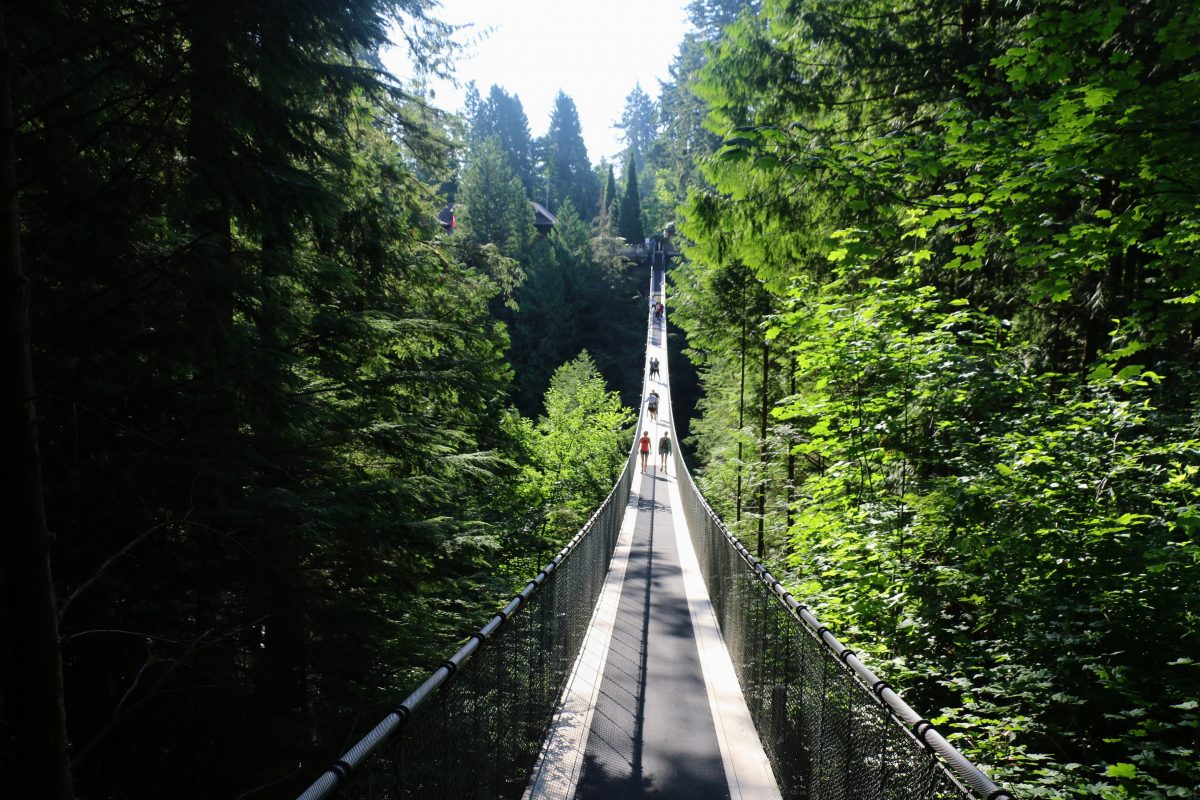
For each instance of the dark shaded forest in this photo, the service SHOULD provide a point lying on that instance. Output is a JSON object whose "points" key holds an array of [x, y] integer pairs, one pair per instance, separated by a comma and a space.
{"points": [[277, 438]]}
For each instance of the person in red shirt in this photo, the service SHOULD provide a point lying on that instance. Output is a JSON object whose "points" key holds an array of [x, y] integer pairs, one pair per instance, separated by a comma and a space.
{"points": [[644, 447]]}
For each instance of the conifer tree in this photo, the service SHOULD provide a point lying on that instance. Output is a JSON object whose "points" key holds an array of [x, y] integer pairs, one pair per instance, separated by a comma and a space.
{"points": [[235, 272], [568, 172], [610, 203], [502, 117], [630, 227], [638, 125], [492, 207]]}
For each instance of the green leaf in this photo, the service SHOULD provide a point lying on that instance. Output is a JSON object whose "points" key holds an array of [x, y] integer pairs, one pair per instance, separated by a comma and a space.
{"points": [[1122, 770], [1130, 372]]}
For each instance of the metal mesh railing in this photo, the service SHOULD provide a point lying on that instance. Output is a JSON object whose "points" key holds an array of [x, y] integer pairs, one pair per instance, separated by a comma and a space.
{"points": [[830, 727], [475, 727]]}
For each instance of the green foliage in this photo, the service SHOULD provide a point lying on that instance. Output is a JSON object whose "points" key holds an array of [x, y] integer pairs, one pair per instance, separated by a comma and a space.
{"points": [[492, 207], [638, 126], [610, 199], [630, 226], [273, 397], [983, 461], [568, 171], [575, 298], [502, 117], [581, 445]]}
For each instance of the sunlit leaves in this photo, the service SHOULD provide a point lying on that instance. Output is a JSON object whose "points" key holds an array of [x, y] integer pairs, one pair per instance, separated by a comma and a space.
{"points": [[987, 280]]}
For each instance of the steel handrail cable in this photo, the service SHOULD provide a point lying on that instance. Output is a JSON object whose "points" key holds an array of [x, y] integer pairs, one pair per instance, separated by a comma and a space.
{"points": [[959, 768]]}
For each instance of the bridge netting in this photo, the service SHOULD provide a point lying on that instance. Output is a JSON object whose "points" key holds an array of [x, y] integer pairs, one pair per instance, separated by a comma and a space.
{"points": [[830, 727]]}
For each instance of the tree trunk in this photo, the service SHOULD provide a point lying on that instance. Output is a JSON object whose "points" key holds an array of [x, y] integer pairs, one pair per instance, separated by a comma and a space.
{"points": [[741, 406], [31, 692], [791, 458], [762, 449]]}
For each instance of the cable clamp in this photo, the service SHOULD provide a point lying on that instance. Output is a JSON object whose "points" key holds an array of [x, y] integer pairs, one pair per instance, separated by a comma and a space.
{"points": [[341, 769], [450, 666], [846, 654], [920, 728]]}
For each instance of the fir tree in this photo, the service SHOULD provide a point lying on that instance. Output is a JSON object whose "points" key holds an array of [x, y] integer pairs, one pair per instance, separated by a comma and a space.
{"points": [[638, 125], [502, 117], [492, 207], [630, 227], [610, 202], [568, 172]]}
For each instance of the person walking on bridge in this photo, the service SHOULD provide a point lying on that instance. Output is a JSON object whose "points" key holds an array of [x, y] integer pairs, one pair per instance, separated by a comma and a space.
{"points": [[652, 405], [654, 368], [644, 448], [664, 450]]}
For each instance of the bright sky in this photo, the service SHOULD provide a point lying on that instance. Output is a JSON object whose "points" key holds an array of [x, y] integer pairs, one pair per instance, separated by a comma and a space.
{"points": [[594, 50]]}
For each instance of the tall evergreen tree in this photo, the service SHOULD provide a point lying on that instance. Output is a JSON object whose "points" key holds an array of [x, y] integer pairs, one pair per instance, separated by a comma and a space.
{"points": [[492, 207], [502, 117], [610, 201], [631, 228], [568, 172], [638, 126], [32, 701]]}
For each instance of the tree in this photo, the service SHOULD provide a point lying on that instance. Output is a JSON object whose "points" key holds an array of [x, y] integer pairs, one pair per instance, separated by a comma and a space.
{"points": [[582, 444], [571, 302], [630, 228], [502, 117], [610, 200], [674, 156], [492, 207], [31, 676], [638, 126], [711, 17], [568, 172]]}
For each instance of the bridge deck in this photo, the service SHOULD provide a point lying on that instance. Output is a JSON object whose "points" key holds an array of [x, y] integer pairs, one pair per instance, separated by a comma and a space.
{"points": [[653, 708]]}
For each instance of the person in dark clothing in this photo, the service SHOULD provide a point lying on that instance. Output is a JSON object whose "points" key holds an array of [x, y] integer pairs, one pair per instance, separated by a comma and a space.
{"points": [[664, 450], [654, 368]]}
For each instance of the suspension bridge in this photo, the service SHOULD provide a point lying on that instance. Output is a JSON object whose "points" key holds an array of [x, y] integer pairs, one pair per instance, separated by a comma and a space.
{"points": [[654, 657]]}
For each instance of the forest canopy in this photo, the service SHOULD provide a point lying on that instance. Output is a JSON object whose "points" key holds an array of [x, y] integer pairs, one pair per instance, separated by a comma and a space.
{"points": [[299, 379]]}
